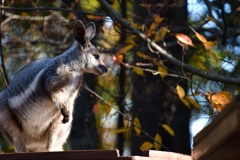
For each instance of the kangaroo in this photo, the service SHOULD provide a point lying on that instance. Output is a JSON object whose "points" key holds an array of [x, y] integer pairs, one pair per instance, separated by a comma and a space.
{"points": [[36, 108]]}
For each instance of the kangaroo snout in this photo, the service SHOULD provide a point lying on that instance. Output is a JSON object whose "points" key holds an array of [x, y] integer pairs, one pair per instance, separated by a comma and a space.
{"points": [[102, 68]]}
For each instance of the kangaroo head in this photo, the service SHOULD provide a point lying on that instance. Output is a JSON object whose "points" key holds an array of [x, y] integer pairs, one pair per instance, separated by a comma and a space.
{"points": [[90, 54]]}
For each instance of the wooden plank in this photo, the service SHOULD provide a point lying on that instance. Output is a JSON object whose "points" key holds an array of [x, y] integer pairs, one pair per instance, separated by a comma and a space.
{"points": [[220, 139], [167, 155], [66, 155]]}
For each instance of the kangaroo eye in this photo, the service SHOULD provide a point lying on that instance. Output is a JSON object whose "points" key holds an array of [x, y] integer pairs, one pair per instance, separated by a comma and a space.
{"points": [[97, 56]]}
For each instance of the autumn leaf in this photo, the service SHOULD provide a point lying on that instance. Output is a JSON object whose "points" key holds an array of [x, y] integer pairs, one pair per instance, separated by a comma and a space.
{"points": [[157, 141], [146, 146], [121, 130], [162, 71], [118, 59], [107, 110], [138, 71], [218, 100], [125, 49], [168, 129], [157, 18], [180, 92], [137, 126], [214, 56], [208, 45], [192, 102], [184, 39]]}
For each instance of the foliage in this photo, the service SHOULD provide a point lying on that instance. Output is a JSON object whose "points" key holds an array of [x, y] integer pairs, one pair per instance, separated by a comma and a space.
{"points": [[209, 45]]}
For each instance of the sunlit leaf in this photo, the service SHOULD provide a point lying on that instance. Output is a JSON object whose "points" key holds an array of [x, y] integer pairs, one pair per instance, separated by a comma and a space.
{"points": [[137, 126], [201, 37], [180, 91], [192, 102], [219, 100], [184, 39], [125, 49], [162, 71], [208, 45], [146, 146], [157, 141], [138, 71], [168, 129], [186, 102], [107, 110]]}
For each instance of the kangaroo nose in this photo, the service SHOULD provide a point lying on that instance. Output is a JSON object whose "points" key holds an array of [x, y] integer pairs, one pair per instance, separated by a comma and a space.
{"points": [[103, 68]]}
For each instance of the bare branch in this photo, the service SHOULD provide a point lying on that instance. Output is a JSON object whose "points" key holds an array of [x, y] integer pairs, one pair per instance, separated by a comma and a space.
{"points": [[45, 8], [115, 16]]}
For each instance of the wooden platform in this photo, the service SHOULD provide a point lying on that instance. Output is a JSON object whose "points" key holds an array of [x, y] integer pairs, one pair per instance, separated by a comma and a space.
{"points": [[220, 140], [92, 155]]}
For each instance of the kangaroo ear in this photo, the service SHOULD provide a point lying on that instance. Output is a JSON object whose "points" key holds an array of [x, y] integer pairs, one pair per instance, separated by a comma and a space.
{"points": [[90, 31], [79, 32]]}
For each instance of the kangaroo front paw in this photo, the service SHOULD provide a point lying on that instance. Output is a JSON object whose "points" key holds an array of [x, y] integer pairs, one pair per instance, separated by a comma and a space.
{"points": [[65, 113]]}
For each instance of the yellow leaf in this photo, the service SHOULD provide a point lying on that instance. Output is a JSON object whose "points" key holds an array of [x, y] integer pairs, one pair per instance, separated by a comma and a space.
{"points": [[180, 92], [192, 102], [163, 31], [219, 100], [125, 49], [201, 37], [146, 146], [151, 30], [168, 129], [162, 71], [157, 141], [138, 71], [184, 39], [137, 126], [208, 45], [107, 110], [185, 102], [157, 18], [121, 130]]}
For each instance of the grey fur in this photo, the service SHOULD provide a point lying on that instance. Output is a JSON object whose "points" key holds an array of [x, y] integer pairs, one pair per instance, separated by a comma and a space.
{"points": [[36, 108]]}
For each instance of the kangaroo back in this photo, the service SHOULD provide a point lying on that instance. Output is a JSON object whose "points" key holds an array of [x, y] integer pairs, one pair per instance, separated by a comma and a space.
{"points": [[36, 108]]}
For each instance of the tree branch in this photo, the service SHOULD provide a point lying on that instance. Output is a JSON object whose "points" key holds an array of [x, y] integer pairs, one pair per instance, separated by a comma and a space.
{"points": [[45, 8], [115, 16]]}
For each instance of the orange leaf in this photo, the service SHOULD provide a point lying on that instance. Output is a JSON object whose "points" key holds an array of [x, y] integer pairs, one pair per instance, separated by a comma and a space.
{"points": [[125, 49], [219, 100], [208, 45], [184, 39], [201, 37]]}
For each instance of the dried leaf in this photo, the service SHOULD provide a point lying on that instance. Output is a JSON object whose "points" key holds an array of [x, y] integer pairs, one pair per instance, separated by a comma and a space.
{"points": [[137, 126], [184, 39], [180, 92], [162, 71], [146, 146], [168, 129], [219, 100], [157, 141]]}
